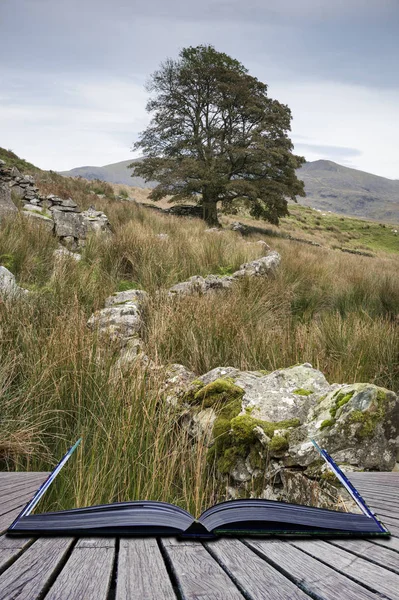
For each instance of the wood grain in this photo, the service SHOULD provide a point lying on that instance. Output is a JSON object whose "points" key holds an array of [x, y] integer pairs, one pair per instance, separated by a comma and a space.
{"points": [[382, 556], [313, 576], [87, 574], [258, 578], [32, 573], [198, 575], [375, 577], [142, 574]]}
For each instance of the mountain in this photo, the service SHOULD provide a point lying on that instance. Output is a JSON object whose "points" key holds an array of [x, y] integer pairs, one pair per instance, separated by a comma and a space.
{"points": [[328, 186], [113, 173]]}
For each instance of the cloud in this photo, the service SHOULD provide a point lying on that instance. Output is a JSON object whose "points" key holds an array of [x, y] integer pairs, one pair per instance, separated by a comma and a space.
{"points": [[73, 75], [333, 117], [83, 122], [330, 152]]}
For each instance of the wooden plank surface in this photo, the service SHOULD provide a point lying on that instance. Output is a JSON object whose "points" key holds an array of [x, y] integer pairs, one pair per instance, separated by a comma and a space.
{"points": [[197, 573], [371, 552], [311, 575], [147, 569], [142, 573], [364, 572], [87, 574], [10, 548], [16, 489], [252, 574], [33, 572]]}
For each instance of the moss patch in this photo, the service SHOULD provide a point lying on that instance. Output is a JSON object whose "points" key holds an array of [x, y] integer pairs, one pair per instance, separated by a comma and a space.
{"points": [[219, 391], [302, 392], [327, 423], [340, 400]]}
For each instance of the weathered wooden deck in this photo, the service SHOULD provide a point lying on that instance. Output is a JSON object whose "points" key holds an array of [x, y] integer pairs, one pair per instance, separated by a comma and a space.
{"points": [[157, 569]]}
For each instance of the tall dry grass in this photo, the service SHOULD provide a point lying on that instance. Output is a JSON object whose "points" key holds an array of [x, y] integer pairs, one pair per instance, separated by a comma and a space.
{"points": [[58, 383]]}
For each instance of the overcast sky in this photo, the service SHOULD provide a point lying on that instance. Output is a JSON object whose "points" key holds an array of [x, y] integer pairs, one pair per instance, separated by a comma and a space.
{"points": [[72, 72]]}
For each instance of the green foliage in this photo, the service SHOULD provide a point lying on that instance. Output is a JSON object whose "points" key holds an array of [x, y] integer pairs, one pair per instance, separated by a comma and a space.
{"points": [[216, 136]]}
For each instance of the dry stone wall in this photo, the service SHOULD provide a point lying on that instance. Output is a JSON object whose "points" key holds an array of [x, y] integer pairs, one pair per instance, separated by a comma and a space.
{"points": [[61, 215]]}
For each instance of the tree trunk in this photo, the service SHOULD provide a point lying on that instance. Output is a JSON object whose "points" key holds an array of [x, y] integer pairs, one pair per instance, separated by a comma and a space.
{"points": [[210, 213]]}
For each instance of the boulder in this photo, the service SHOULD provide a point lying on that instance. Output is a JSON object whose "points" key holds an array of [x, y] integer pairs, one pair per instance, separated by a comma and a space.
{"points": [[239, 227], [69, 224], [263, 423], [8, 285], [120, 321], [201, 285], [260, 267], [95, 221], [63, 253], [7, 206]]}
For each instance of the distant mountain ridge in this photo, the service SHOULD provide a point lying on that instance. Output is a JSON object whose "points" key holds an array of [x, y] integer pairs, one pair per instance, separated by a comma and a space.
{"points": [[328, 186]]}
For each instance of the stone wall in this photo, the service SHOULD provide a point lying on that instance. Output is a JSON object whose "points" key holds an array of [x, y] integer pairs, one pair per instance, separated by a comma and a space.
{"points": [[61, 215]]}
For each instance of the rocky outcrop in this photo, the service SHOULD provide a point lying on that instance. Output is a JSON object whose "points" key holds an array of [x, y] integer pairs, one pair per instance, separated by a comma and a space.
{"points": [[258, 428], [8, 286], [61, 215], [261, 267]]}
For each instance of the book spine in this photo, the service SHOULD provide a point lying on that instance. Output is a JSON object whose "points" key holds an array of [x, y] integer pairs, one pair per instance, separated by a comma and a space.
{"points": [[44, 487], [348, 486]]}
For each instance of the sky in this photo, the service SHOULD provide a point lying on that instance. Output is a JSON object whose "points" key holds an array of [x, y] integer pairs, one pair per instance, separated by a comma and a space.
{"points": [[72, 72]]}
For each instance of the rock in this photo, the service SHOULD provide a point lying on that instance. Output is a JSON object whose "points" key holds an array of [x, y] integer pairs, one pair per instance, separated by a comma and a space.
{"points": [[260, 267], [130, 354], [39, 218], [62, 253], [18, 190], [68, 224], [33, 208], [7, 206], [184, 210], [136, 296], [358, 424], [95, 221], [8, 285], [177, 380], [203, 285], [68, 203], [263, 424], [239, 227], [214, 230], [120, 321]]}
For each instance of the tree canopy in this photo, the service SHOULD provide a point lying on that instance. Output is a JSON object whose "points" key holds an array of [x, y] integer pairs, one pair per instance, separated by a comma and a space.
{"points": [[216, 136]]}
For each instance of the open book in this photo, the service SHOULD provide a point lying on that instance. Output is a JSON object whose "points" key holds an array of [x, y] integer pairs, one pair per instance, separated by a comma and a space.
{"points": [[235, 517]]}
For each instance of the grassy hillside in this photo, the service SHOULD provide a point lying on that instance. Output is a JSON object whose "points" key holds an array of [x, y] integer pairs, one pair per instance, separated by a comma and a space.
{"points": [[59, 382], [12, 160], [328, 186]]}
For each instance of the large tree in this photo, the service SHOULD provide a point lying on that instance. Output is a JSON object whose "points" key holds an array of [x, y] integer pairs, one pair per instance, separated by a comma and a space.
{"points": [[216, 136]]}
